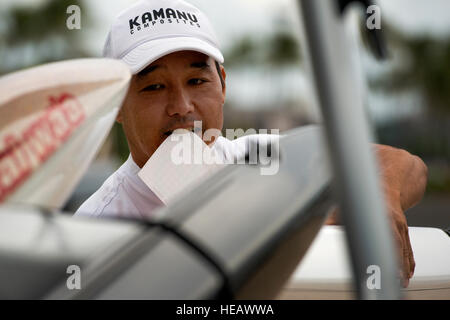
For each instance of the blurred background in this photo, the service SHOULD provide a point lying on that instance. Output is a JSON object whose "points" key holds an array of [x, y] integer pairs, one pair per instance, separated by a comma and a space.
{"points": [[408, 96]]}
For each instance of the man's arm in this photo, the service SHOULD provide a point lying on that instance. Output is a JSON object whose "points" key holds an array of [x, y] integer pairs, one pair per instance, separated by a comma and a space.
{"points": [[403, 174], [403, 179]]}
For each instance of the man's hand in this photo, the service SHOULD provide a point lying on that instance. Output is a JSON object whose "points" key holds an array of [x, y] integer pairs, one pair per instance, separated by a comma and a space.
{"points": [[403, 178]]}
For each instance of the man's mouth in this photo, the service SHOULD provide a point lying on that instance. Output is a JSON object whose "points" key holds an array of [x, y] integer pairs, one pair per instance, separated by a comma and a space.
{"points": [[191, 129]]}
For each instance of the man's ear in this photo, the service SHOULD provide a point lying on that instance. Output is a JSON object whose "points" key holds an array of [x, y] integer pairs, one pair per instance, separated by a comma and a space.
{"points": [[224, 76]]}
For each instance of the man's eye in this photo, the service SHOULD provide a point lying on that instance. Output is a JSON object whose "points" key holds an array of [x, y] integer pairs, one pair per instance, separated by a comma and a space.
{"points": [[153, 87], [196, 81]]}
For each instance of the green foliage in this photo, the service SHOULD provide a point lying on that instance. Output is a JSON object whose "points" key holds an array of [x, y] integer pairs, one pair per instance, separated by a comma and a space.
{"points": [[278, 49], [243, 51], [426, 67], [34, 35], [37, 23], [284, 49]]}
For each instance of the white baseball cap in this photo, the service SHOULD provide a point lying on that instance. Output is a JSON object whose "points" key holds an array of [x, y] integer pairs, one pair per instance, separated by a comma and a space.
{"points": [[151, 29]]}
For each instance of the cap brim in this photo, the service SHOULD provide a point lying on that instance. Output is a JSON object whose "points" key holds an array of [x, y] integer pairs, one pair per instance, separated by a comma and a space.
{"points": [[148, 52]]}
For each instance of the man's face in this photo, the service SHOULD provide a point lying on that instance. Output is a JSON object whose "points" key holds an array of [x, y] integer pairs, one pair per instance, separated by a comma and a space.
{"points": [[172, 92]]}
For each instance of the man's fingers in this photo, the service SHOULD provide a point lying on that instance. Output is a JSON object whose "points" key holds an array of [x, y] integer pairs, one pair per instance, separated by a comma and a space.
{"points": [[401, 254], [405, 251], [412, 262], [406, 264]]}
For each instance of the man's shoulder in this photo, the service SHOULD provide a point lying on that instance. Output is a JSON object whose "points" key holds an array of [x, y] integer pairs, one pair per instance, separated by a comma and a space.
{"points": [[123, 194], [102, 201]]}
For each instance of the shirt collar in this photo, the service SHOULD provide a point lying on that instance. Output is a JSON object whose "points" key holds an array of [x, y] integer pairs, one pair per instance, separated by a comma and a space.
{"points": [[131, 166], [131, 169]]}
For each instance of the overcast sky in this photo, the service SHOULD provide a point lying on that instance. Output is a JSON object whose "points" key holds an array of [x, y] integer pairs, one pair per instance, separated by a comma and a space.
{"points": [[233, 18]]}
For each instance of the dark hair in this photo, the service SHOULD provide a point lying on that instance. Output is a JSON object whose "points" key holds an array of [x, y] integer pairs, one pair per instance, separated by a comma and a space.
{"points": [[222, 81]]}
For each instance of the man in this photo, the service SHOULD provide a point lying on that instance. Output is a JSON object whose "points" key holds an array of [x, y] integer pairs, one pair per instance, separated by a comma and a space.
{"points": [[178, 78]]}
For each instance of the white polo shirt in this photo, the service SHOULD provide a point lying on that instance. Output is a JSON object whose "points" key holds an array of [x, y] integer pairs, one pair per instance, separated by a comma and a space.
{"points": [[125, 195]]}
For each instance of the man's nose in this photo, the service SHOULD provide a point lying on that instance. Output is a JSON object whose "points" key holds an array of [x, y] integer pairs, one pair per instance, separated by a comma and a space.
{"points": [[179, 102]]}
